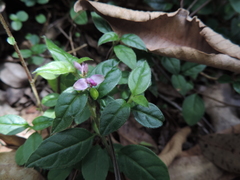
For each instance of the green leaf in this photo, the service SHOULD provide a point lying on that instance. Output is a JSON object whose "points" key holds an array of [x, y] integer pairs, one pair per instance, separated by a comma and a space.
{"points": [[42, 122], [108, 37], [100, 23], [33, 38], [180, 84], [62, 150], [41, 18], [193, 109], [140, 78], [83, 115], [236, 5], [126, 55], [236, 86], [42, 1], [54, 68], [38, 48], [138, 162], [22, 16], [11, 40], [50, 113], [58, 54], [141, 100], [50, 100], [112, 76], [150, 117], [83, 59], [171, 64], [12, 124], [113, 116], [24, 152], [26, 53], [134, 41], [16, 25], [58, 174], [13, 17], [192, 69], [37, 60], [69, 107], [93, 166], [79, 18]]}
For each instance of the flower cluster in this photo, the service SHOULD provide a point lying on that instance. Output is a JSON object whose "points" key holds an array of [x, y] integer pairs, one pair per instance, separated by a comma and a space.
{"points": [[85, 83]]}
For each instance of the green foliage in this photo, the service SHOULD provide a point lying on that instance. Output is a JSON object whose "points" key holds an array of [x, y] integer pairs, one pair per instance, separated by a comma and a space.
{"points": [[42, 122], [79, 18], [171, 64], [12, 124], [180, 84], [17, 19], [31, 3], [41, 18], [193, 109], [138, 162], [71, 141], [11, 40], [100, 23]]}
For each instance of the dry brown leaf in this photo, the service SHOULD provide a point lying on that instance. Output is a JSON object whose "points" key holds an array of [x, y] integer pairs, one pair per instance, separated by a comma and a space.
{"points": [[223, 150], [174, 146], [9, 170], [12, 139], [173, 34]]}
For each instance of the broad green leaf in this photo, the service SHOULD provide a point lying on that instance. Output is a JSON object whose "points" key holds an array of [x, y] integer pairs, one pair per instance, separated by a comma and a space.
{"points": [[140, 78], [26, 53], [83, 59], [112, 76], [13, 17], [50, 113], [58, 54], [95, 164], [124, 78], [83, 115], [24, 152], [236, 86], [193, 109], [225, 79], [54, 68], [126, 55], [134, 41], [58, 174], [180, 84], [50, 100], [79, 18], [38, 48], [113, 116], [108, 37], [11, 40], [171, 64], [138, 162], [33, 38], [22, 16], [192, 69], [69, 106], [42, 1], [42, 122], [100, 23], [16, 25], [141, 100], [150, 117], [62, 150], [41, 18], [12, 124], [236, 5], [37, 60]]}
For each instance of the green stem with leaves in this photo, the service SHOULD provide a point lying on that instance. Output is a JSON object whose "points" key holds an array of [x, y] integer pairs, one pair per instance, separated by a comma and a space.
{"points": [[30, 79]]}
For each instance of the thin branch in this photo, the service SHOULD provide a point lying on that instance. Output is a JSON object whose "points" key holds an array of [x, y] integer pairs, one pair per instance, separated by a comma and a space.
{"points": [[181, 3], [30, 79], [200, 7], [191, 5]]}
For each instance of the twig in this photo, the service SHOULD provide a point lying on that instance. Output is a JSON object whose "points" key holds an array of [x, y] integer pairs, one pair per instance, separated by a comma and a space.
{"points": [[191, 5], [181, 3], [30, 79], [209, 77], [200, 7], [78, 48]]}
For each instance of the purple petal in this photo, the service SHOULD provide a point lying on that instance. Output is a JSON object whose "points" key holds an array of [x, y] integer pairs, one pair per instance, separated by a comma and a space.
{"points": [[80, 84], [84, 68], [97, 78], [77, 65]]}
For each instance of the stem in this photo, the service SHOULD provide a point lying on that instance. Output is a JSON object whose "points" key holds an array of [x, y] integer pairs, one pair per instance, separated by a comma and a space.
{"points": [[30, 79], [200, 7]]}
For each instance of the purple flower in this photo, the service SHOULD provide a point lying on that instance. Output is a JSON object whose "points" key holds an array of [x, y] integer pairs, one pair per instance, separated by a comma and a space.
{"points": [[85, 83], [81, 67]]}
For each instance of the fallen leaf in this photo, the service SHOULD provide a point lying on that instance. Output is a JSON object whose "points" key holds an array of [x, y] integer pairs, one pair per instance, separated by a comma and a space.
{"points": [[10, 170], [12, 139], [223, 150], [173, 34], [174, 146]]}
